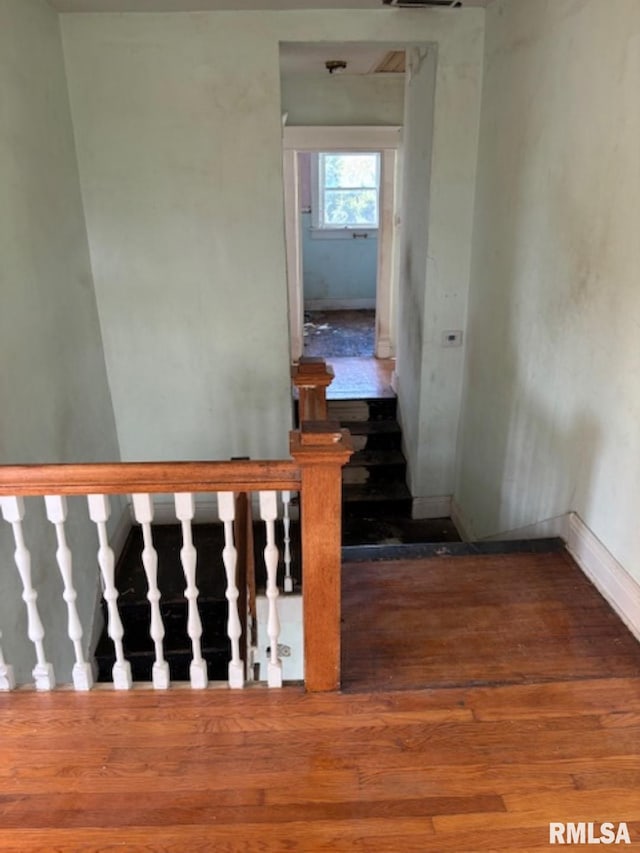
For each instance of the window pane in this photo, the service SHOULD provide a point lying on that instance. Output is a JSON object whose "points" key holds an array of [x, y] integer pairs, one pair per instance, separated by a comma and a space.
{"points": [[350, 170], [351, 207]]}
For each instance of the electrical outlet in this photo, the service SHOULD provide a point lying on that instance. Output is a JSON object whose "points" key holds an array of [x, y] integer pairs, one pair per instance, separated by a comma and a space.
{"points": [[452, 338]]}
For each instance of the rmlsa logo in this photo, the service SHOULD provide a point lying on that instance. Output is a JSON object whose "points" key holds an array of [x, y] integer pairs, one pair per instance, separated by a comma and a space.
{"points": [[588, 833]]}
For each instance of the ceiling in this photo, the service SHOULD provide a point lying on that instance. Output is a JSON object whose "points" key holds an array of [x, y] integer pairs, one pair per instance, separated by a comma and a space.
{"points": [[310, 57], [219, 5]]}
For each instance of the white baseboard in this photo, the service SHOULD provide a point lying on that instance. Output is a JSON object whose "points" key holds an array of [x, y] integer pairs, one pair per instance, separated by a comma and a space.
{"points": [[431, 507], [384, 348], [339, 304], [610, 578], [461, 522]]}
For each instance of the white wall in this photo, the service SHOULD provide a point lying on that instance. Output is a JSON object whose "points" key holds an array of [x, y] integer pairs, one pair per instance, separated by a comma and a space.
{"points": [[552, 394], [56, 405], [177, 120], [345, 99], [441, 131]]}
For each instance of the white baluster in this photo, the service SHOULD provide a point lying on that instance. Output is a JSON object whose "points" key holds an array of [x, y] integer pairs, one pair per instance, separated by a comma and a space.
{"points": [[185, 511], [226, 511], [7, 678], [13, 512], [286, 523], [269, 514], [99, 512], [143, 511], [57, 514]]}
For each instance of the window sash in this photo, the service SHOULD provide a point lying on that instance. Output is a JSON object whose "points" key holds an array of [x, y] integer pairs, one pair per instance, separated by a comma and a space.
{"points": [[322, 215]]}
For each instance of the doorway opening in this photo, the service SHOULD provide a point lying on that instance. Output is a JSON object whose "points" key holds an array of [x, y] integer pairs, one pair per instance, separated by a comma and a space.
{"points": [[362, 323], [339, 213]]}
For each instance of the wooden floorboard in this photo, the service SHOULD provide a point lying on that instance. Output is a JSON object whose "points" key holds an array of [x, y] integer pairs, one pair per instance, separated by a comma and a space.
{"points": [[438, 769], [491, 619], [468, 769]]}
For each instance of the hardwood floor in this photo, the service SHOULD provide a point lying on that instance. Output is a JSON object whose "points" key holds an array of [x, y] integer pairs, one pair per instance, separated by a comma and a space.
{"points": [[479, 619], [457, 770], [449, 770]]}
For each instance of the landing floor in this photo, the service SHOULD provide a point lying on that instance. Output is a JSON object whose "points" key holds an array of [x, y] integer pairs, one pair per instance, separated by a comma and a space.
{"points": [[430, 771], [544, 727], [479, 619]]}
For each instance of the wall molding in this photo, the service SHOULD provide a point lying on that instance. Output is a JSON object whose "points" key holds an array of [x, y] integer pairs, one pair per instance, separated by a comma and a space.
{"points": [[610, 578], [431, 507], [461, 522], [339, 304]]}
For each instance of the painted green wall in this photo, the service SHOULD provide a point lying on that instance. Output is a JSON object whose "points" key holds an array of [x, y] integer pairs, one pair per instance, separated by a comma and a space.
{"points": [[180, 156], [348, 99], [56, 405], [552, 400]]}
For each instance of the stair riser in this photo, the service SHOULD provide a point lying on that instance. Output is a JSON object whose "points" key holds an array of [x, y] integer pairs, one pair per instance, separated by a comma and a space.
{"points": [[374, 474]]}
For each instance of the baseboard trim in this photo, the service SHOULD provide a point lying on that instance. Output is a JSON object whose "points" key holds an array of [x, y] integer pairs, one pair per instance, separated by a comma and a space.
{"points": [[431, 507], [461, 522], [339, 304], [610, 578]]}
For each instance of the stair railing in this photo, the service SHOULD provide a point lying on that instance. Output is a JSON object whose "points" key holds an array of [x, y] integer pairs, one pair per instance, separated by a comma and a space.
{"points": [[311, 377], [314, 471]]}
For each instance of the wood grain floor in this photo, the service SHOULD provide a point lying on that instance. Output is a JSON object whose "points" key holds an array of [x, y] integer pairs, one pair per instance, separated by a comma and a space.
{"points": [[489, 619], [476, 769], [449, 770]]}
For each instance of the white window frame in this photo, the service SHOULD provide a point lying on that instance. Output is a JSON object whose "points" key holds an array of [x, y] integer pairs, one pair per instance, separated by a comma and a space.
{"points": [[362, 138], [320, 231]]}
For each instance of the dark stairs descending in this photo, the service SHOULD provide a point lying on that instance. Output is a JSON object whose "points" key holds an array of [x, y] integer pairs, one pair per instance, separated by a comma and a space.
{"points": [[376, 500], [135, 610]]}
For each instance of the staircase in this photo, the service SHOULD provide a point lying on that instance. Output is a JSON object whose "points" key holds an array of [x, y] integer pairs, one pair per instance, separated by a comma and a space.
{"points": [[376, 500], [212, 604], [135, 611], [376, 509]]}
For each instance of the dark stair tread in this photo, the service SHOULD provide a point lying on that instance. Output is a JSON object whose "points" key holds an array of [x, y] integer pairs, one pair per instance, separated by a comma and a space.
{"points": [[376, 409], [372, 427], [377, 491], [388, 531], [377, 457], [217, 658]]}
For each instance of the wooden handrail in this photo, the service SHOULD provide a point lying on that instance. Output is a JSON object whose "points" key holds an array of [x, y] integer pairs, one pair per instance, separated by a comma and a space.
{"points": [[148, 477], [319, 450]]}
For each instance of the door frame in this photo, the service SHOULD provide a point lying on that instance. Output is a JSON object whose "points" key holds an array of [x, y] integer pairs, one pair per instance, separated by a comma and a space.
{"points": [[386, 140]]}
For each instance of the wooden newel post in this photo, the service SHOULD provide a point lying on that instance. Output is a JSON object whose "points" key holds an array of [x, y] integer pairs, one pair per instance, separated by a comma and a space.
{"points": [[312, 377], [321, 449]]}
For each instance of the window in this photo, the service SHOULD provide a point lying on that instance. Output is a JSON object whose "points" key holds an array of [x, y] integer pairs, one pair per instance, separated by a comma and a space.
{"points": [[347, 191]]}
